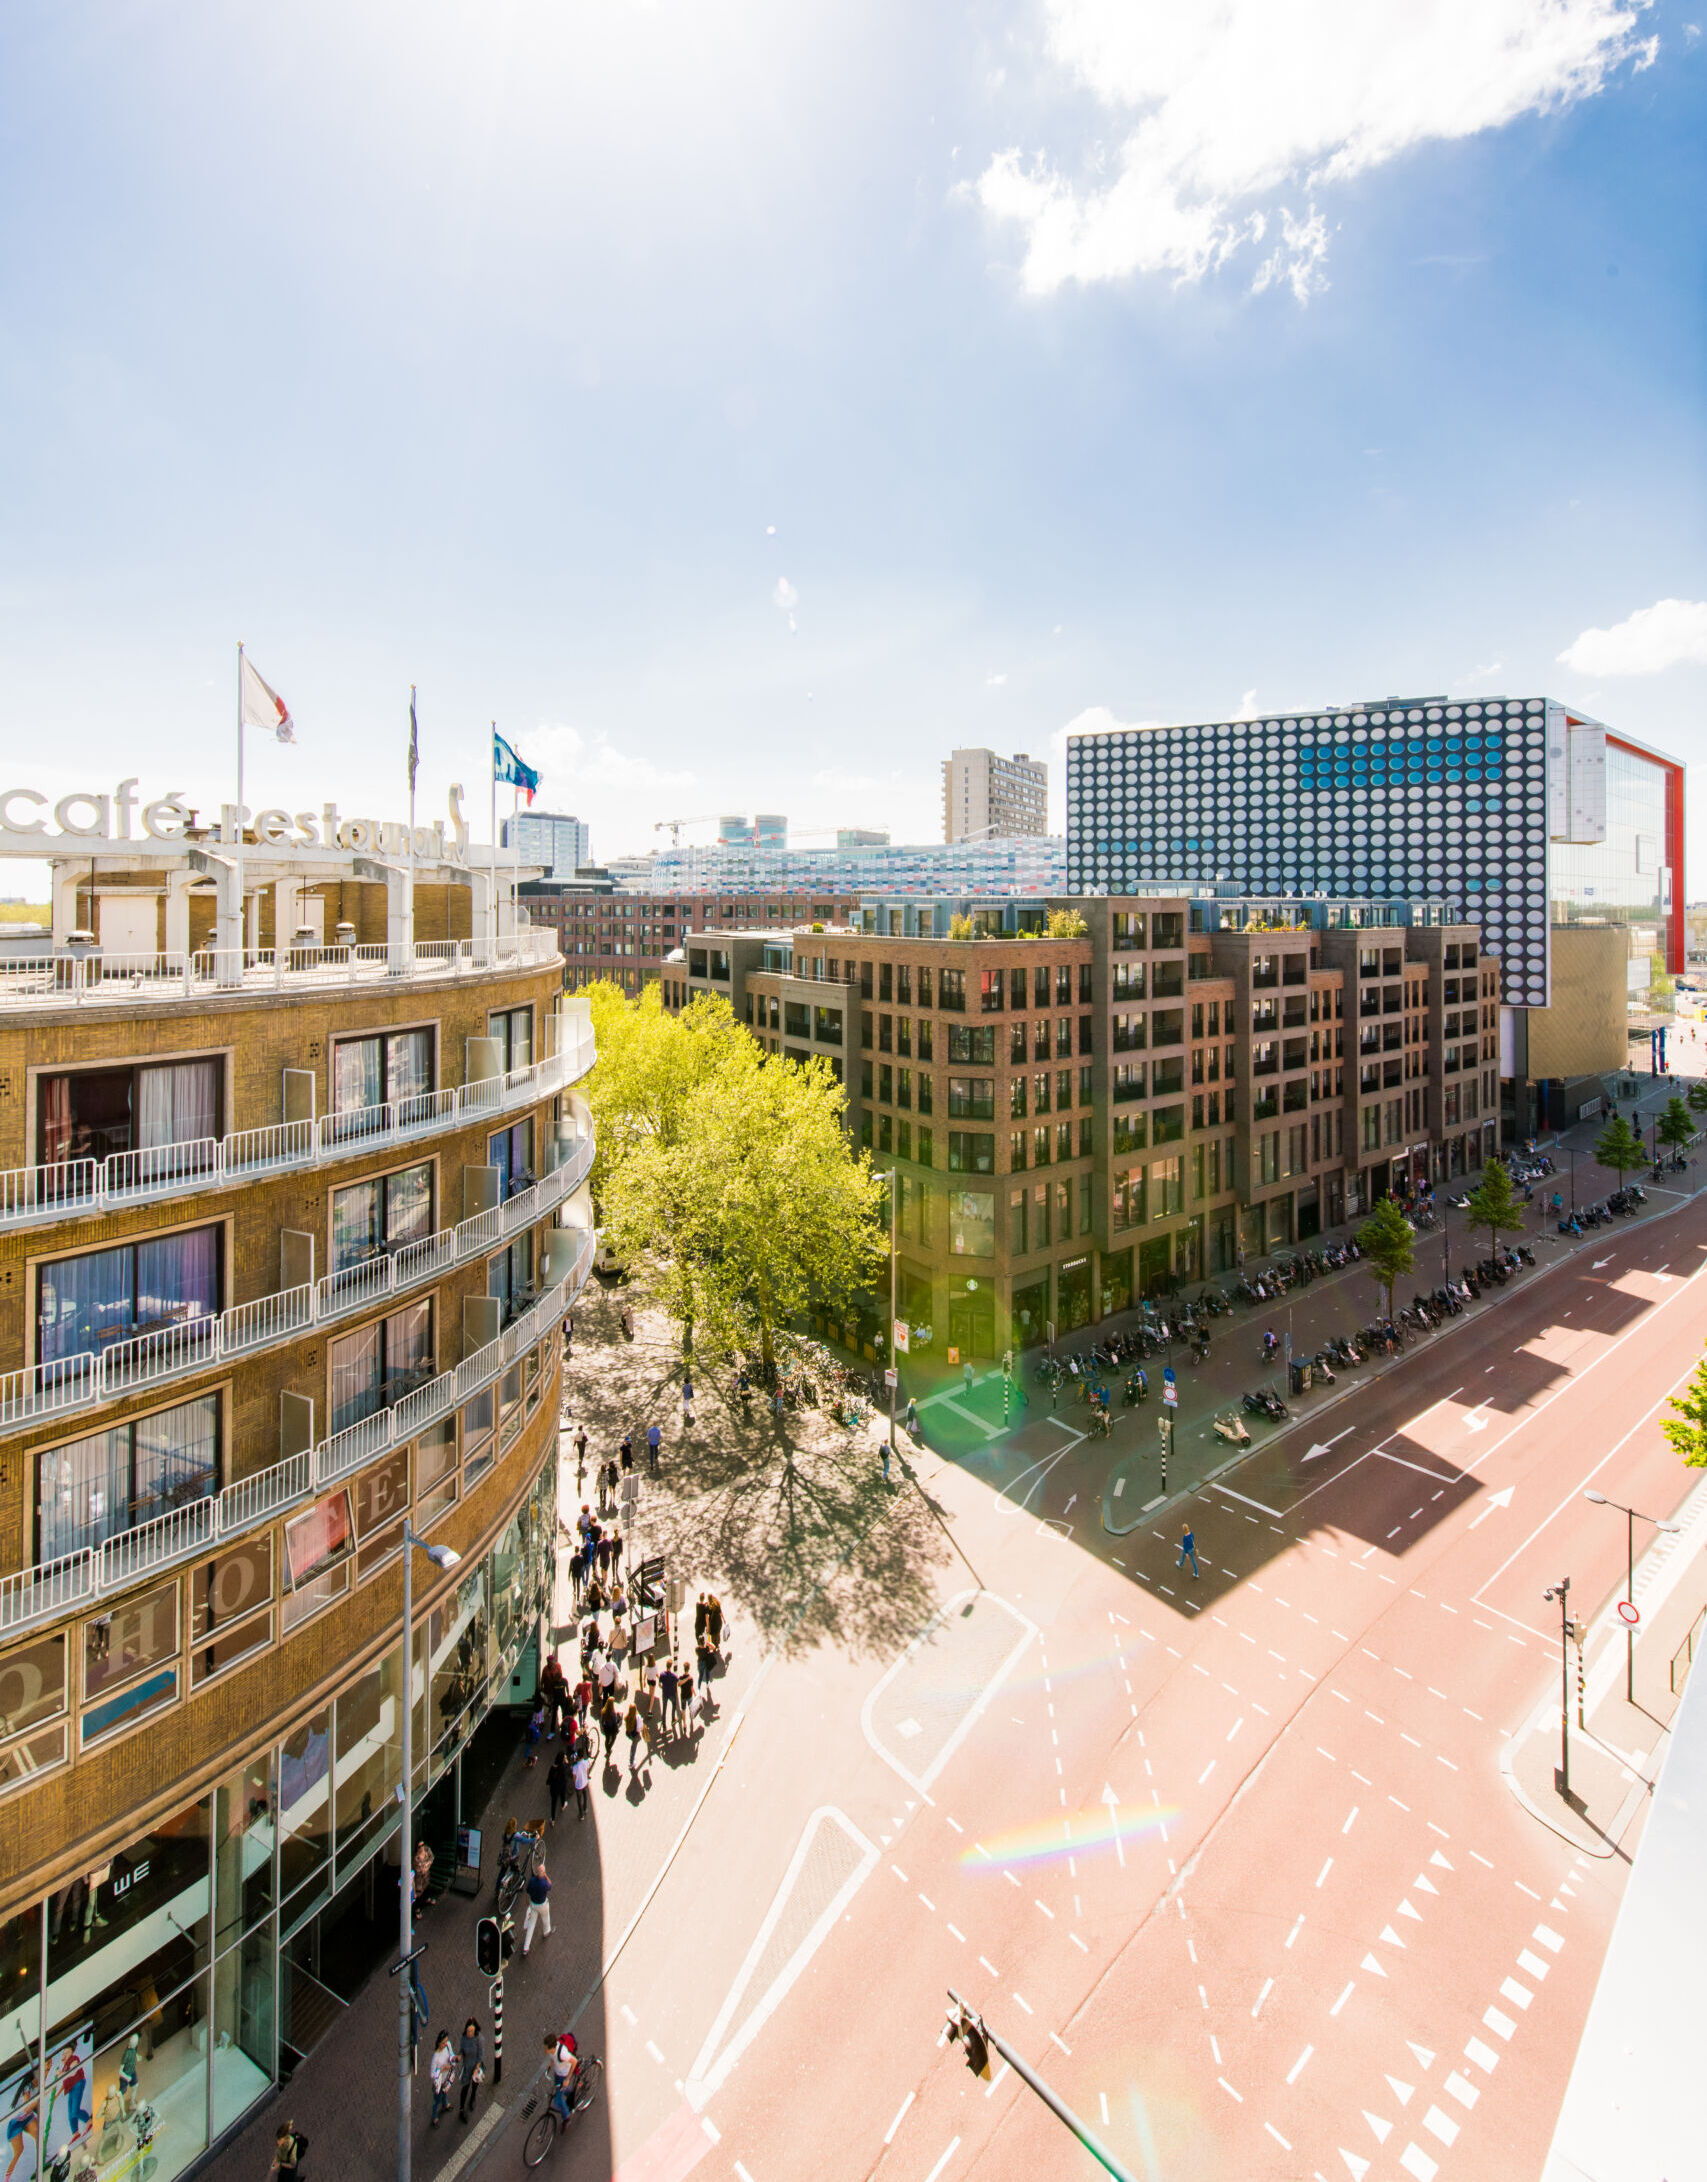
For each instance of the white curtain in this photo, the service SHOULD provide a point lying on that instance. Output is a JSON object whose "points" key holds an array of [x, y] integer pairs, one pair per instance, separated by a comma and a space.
{"points": [[177, 1103], [177, 1458]]}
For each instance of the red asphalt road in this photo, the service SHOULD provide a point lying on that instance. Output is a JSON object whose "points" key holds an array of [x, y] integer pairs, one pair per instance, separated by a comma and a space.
{"points": [[1324, 1938]]}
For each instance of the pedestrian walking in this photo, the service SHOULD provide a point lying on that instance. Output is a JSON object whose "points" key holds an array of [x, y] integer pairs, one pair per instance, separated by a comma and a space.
{"points": [[609, 1725], [557, 1782], [539, 1904], [885, 1462], [471, 2069], [442, 2072], [536, 1732], [1188, 1550], [687, 1403], [669, 1684], [626, 1452], [290, 2148], [699, 1617], [580, 1455], [684, 1696], [635, 1730], [580, 1773], [714, 1622], [910, 1423], [966, 1374], [627, 1323], [654, 1441]]}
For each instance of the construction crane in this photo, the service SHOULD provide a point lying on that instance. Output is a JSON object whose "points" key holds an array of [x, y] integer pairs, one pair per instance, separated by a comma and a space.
{"points": [[703, 818]]}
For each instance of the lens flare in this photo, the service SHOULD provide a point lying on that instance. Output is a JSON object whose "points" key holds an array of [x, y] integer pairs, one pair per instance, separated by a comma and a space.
{"points": [[1053, 1840]]}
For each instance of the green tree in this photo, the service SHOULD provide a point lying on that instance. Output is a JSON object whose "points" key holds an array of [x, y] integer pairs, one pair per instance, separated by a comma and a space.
{"points": [[1676, 1128], [649, 1063], [1696, 1096], [1495, 1204], [1688, 1430], [1662, 988], [1065, 924], [1619, 1148], [1388, 1242], [757, 1207]]}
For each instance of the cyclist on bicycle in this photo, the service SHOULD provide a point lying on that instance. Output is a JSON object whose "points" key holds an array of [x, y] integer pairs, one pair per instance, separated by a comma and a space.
{"points": [[564, 2069]]}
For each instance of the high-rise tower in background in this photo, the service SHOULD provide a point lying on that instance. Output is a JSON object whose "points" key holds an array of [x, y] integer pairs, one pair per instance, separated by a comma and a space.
{"points": [[985, 797]]}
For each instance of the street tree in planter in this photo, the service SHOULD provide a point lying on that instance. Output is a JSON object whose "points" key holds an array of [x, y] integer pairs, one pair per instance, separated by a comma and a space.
{"points": [[1495, 1204], [1620, 1148], [1676, 1129], [1388, 1242]]}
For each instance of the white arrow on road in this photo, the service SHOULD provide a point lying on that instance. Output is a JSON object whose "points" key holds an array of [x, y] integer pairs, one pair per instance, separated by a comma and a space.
{"points": [[1598, 1263], [1321, 1447], [1113, 1801], [1501, 1499]]}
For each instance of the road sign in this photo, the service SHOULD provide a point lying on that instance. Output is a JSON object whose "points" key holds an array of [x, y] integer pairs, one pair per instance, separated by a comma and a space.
{"points": [[903, 1334], [1170, 1393], [1629, 1613], [891, 1377], [1168, 1374]]}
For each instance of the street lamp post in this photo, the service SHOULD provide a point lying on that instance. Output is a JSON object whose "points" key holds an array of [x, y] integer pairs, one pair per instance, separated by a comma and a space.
{"points": [[892, 1175], [1562, 1774], [441, 1557], [1630, 1517]]}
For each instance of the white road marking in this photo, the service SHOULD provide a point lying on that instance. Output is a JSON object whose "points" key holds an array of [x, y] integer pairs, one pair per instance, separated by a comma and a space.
{"points": [[1346, 1828], [1484, 2056], [1531, 1964], [656, 2055], [1502, 2026], [959, 1935], [1231, 2093], [900, 2115], [1062, 2043], [1024, 2003], [1519, 1995], [990, 1966], [943, 2161], [1351, 1987], [1268, 1987], [712, 2067], [1323, 1873], [629, 2017], [1296, 1929], [1462, 2090], [1299, 2065], [711, 2129]]}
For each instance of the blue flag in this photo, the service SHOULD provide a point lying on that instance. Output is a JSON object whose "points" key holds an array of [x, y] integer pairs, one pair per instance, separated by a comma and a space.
{"points": [[507, 766]]}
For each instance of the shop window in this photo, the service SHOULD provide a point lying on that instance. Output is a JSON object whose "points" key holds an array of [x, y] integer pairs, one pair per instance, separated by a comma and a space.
{"points": [[367, 1765], [130, 1663], [972, 1222]]}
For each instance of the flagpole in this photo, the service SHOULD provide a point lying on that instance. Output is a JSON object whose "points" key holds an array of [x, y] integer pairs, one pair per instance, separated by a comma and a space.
{"points": [[412, 736], [242, 936], [515, 855], [492, 876]]}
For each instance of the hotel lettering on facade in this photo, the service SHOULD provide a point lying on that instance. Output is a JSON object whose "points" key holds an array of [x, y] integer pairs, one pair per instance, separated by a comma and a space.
{"points": [[286, 1236]]}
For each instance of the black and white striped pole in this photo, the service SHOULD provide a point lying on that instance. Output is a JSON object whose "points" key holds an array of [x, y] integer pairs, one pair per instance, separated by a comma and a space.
{"points": [[497, 1999]]}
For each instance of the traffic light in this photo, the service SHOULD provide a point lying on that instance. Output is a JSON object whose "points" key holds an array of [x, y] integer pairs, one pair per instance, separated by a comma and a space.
{"points": [[507, 1935], [965, 2026], [487, 1947]]}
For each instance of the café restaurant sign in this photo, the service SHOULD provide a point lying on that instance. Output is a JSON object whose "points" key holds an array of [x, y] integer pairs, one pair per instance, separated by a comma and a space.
{"points": [[34, 824]]}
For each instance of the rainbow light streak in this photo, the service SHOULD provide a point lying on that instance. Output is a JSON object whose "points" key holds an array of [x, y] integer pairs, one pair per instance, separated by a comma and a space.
{"points": [[1053, 1840]]}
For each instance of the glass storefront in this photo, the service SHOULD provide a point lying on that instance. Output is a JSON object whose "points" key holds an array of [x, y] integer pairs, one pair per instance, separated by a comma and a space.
{"points": [[142, 1999]]}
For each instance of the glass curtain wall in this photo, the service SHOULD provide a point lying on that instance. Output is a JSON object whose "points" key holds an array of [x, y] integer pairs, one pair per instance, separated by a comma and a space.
{"points": [[142, 2001]]}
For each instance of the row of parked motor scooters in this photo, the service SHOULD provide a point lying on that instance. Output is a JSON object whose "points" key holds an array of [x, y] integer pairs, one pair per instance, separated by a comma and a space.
{"points": [[1623, 1202]]}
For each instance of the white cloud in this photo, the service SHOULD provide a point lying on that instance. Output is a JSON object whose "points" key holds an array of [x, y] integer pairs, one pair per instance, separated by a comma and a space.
{"points": [[1233, 112], [1248, 706], [786, 598], [570, 764], [994, 681], [1094, 720], [1670, 633]]}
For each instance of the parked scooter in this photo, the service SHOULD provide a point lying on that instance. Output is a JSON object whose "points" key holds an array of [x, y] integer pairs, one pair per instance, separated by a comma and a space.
{"points": [[1232, 1428]]}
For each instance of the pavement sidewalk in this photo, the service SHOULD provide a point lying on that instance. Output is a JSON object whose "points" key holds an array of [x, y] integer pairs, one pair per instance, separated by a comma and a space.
{"points": [[1616, 1758]]}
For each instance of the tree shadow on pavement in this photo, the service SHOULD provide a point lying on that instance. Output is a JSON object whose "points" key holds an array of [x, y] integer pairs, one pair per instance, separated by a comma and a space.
{"points": [[794, 1518]]}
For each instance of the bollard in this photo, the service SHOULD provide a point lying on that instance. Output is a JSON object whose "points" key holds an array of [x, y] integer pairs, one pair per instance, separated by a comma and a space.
{"points": [[497, 1997]]}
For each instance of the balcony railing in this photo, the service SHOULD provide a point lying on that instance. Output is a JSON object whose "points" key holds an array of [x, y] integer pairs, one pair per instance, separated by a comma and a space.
{"points": [[192, 1345], [35, 1195], [57, 1587], [106, 979]]}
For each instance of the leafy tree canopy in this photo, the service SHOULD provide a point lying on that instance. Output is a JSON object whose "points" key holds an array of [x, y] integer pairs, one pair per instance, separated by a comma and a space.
{"points": [[1494, 1203], [1388, 1242], [649, 1062], [1676, 1127], [1687, 1431], [1619, 1148]]}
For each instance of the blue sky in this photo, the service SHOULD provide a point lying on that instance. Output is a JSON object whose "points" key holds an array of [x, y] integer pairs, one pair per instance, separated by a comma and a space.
{"points": [[743, 404]]}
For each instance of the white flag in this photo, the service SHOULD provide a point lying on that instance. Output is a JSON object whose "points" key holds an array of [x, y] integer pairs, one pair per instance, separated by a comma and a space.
{"points": [[264, 707]]}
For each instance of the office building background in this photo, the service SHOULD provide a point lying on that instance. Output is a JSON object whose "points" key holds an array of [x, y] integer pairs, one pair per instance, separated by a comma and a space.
{"points": [[558, 844], [986, 797]]}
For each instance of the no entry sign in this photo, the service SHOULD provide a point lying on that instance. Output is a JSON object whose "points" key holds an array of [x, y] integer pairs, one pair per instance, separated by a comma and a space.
{"points": [[1629, 1613]]}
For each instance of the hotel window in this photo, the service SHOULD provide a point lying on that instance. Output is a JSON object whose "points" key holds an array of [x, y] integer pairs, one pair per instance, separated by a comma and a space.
{"points": [[951, 991], [924, 999], [1016, 1097], [96, 1113], [90, 1301], [511, 1152], [903, 983], [373, 1368], [113, 1481], [903, 1087], [925, 1160], [1016, 1045], [380, 1071], [972, 1098], [971, 1153], [374, 1218], [513, 1029], [886, 1084], [992, 992], [903, 1140]]}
